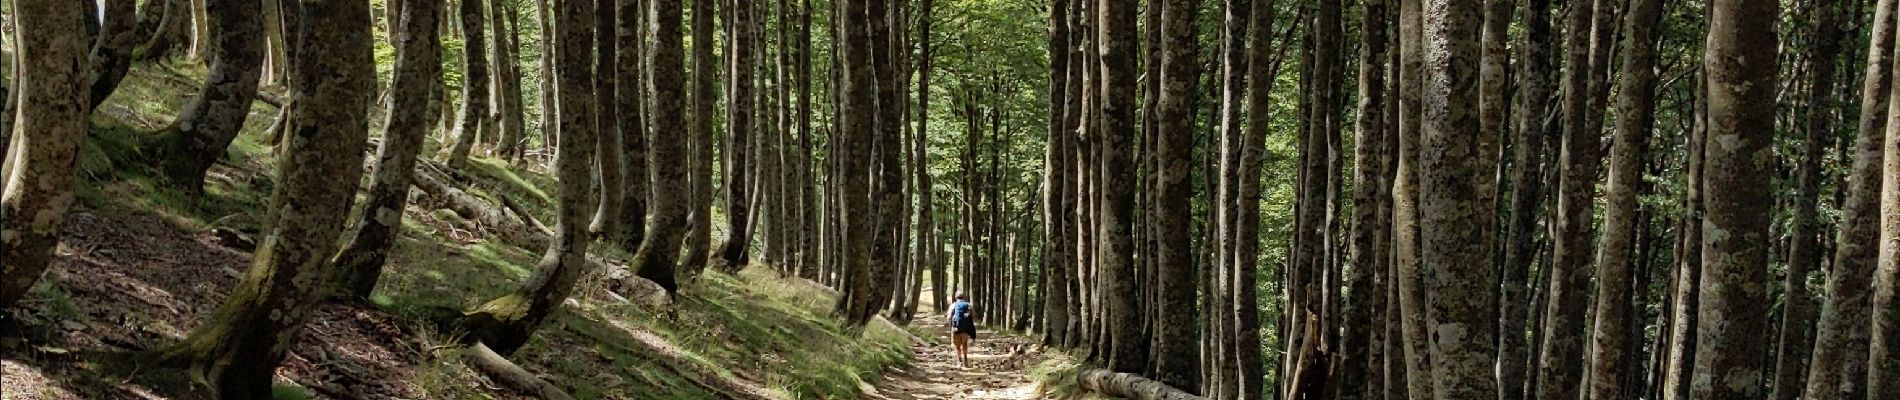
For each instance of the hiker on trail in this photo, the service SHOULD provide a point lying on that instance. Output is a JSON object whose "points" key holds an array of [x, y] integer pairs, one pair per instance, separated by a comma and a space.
{"points": [[963, 328]]}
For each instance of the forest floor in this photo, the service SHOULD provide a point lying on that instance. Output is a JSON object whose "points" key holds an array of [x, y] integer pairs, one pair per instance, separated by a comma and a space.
{"points": [[998, 370], [141, 265]]}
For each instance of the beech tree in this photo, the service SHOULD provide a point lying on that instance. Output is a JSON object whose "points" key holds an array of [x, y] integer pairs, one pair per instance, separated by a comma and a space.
{"points": [[209, 122], [39, 170]]}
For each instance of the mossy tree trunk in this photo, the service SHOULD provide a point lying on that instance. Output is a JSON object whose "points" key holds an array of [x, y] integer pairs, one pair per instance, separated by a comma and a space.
{"points": [[1534, 69], [43, 157], [506, 323], [209, 122], [1362, 376], [333, 76], [1175, 356], [418, 67]]}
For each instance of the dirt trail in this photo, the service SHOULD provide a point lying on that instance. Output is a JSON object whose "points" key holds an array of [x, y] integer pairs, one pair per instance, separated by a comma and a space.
{"points": [[998, 371]]}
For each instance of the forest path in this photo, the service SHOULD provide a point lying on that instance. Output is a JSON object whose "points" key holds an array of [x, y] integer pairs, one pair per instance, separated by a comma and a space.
{"points": [[998, 370]]}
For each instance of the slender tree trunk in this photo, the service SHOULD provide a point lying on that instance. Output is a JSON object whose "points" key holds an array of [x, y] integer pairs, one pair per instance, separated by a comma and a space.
{"points": [[41, 164], [1362, 377], [1405, 207], [550, 136], [1175, 356], [1734, 252], [1682, 343], [209, 122], [629, 229], [1804, 253], [333, 76], [610, 160], [1535, 67], [699, 236], [1579, 159], [507, 57], [418, 67], [739, 123], [1610, 359], [1057, 261], [1884, 364], [474, 85], [1837, 371]]}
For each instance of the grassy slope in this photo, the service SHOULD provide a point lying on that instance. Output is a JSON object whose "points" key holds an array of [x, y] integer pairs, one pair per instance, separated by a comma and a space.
{"points": [[753, 328]]}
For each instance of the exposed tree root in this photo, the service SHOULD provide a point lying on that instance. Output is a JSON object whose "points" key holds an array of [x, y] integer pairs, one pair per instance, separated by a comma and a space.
{"points": [[508, 374]]}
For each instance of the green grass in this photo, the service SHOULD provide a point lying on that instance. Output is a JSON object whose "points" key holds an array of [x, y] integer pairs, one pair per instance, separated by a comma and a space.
{"points": [[754, 327]]}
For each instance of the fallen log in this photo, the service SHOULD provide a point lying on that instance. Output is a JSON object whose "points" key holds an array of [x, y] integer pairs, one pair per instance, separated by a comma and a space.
{"points": [[1130, 386], [508, 374], [475, 208]]}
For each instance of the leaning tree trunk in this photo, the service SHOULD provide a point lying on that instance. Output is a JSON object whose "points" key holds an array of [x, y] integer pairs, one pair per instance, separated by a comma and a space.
{"points": [[333, 75], [40, 168], [209, 122], [1804, 252], [1611, 341], [418, 67], [474, 85], [1741, 63], [655, 259], [736, 252], [112, 50], [699, 235], [1838, 371], [506, 323]]}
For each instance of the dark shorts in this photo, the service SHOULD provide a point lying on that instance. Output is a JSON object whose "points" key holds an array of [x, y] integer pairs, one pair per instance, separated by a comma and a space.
{"points": [[967, 328]]}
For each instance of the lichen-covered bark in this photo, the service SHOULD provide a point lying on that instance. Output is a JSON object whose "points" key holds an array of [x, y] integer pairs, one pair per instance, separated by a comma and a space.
{"points": [[332, 77], [631, 120], [1741, 66], [1456, 223], [161, 24], [44, 152], [1405, 214], [474, 85], [1128, 352], [1176, 357], [1610, 344], [808, 170], [699, 224], [1883, 366], [739, 131], [1681, 358], [1804, 247], [1362, 376], [507, 322], [1573, 229], [655, 259], [210, 121], [418, 67], [1838, 371], [1057, 261]]}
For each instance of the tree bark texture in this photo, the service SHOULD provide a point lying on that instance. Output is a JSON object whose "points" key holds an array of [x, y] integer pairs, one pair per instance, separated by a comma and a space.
{"points": [[43, 157], [209, 122]]}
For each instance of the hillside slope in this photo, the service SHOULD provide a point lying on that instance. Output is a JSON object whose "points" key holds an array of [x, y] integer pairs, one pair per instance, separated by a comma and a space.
{"points": [[141, 265]]}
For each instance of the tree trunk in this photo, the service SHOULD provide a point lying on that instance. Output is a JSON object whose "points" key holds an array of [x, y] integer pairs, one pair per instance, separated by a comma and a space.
{"points": [[1456, 223], [655, 259], [1127, 350], [1362, 376], [857, 92], [1837, 371], [1682, 341], [1734, 250], [507, 57], [332, 76], [418, 67], [41, 164], [1579, 159], [699, 236], [1405, 208], [611, 162], [1884, 364], [1175, 356], [474, 85], [506, 323], [1535, 67], [1804, 253], [112, 47], [1610, 360], [209, 122], [739, 129]]}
